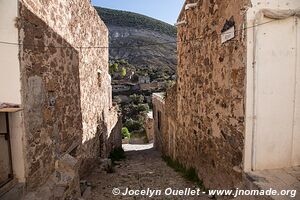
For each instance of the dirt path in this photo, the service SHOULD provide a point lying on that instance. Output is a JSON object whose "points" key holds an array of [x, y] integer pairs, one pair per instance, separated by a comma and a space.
{"points": [[141, 170]]}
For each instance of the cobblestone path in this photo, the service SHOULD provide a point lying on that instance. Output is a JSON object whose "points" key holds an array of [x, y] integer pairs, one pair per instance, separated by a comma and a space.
{"points": [[140, 170]]}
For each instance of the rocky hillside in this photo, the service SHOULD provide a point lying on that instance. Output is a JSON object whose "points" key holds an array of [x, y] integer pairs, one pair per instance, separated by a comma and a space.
{"points": [[130, 29]]}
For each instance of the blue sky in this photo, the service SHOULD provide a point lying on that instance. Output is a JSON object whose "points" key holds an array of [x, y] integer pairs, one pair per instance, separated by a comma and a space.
{"points": [[165, 10]]}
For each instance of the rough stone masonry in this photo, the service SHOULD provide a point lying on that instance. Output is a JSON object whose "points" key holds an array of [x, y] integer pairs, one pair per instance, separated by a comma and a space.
{"points": [[69, 119], [204, 111]]}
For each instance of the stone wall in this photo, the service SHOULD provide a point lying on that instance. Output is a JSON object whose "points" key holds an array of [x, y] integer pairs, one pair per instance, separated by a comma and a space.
{"points": [[159, 121], [170, 121], [149, 126], [114, 136], [51, 96], [66, 88], [210, 93]]}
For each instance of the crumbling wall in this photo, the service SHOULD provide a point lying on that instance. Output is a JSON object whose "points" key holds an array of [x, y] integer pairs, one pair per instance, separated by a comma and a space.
{"points": [[66, 91], [211, 92]]}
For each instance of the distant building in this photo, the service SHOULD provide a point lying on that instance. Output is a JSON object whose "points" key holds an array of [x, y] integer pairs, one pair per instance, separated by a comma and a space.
{"points": [[154, 86], [149, 126], [120, 88], [144, 79]]}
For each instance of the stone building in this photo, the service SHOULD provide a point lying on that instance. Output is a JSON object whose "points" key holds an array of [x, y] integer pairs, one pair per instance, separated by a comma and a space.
{"points": [[235, 107], [149, 126], [64, 120], [159, 121], [144, 79]]}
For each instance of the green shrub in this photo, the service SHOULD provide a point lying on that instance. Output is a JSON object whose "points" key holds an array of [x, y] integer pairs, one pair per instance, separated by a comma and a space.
{"points": [[113, 68], [143, 108], [125, 133], [133, 125], [137, 99], [123, 73]]}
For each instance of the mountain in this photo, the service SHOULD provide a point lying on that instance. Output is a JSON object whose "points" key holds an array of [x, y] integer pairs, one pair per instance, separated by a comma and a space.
{"points": [[129, 29]]}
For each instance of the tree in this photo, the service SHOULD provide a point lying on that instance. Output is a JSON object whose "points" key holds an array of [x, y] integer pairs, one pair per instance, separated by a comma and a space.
{"points": [[133, 125], [143, 108], [137, 99], [113, 68], [125, 132], [116, 67], [123, 73]]}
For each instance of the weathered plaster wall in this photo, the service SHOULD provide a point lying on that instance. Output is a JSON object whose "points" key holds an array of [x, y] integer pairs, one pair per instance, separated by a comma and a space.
{"points": [[211, 92], [17, 144], [66, 91], [275, 138], [9, 63]]}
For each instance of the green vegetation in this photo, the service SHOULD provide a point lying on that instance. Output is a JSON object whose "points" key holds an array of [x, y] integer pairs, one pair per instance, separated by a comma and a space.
{"points": [[133, 125], [118, 69], [143, 108], [137, 99], [123, 72], [125, 133], [113, 68], [134, 114], [136, 110], [190, 174], [129, 19]]}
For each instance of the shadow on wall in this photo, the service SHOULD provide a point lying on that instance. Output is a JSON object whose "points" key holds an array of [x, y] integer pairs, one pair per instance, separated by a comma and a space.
{"points": [[93, 148], [50, 95], [100, 146], [53, 119]]}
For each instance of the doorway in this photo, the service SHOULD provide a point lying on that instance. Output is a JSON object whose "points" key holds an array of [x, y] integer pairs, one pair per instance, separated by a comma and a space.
{"points": [[6, 170], [276, 131]]}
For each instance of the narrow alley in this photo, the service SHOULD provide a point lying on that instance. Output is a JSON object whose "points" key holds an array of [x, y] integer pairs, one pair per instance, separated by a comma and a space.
{"points": [[105, 100], [143, 168]]}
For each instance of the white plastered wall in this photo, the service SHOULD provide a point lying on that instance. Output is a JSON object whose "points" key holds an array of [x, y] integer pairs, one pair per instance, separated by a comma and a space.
{"points": [[296, 141], [10, 84], [251, 151], [9, 62], [16, 139]]}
